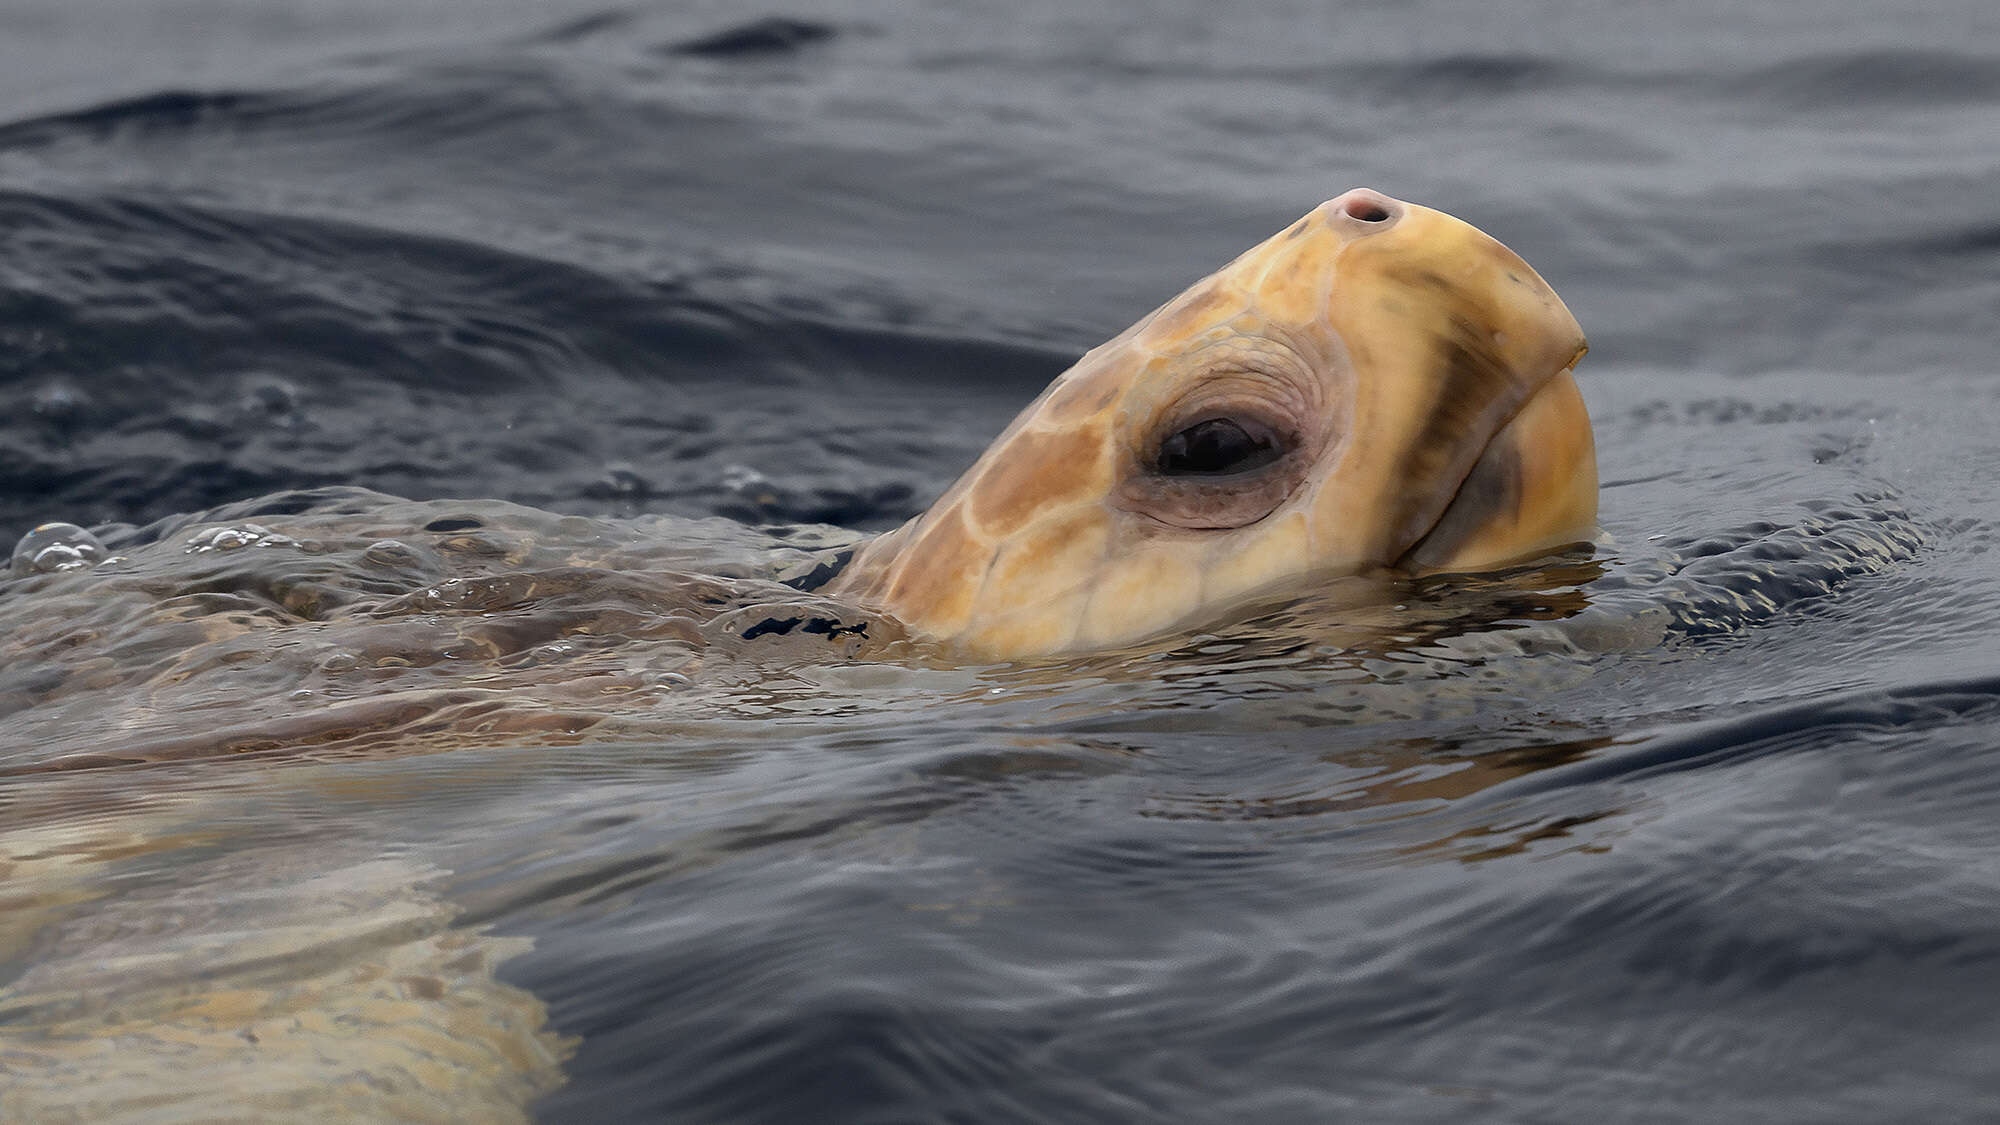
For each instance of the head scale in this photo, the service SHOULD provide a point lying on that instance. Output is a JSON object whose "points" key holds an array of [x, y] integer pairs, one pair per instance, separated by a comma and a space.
{"points": [[1378, 386]]}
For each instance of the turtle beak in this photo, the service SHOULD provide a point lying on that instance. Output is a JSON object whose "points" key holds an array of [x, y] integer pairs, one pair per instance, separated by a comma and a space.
{"points": [[1470, 446], [1532, 490]]}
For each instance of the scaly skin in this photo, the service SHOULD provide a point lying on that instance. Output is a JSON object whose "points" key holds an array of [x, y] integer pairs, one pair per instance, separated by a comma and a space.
{"points": [[1417, 372]]}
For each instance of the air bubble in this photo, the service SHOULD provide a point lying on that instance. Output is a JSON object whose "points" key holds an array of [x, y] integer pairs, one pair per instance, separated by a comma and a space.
{"points": [[235, 539], [56, 547], [452, 593], [390, 552], [59, 556]]}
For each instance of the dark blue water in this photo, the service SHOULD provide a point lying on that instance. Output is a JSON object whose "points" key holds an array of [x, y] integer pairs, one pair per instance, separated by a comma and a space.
{"points": [[1699, 825]]}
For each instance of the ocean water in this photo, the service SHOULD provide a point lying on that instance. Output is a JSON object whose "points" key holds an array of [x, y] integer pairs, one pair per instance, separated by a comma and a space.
{"points": [[402, 355]]}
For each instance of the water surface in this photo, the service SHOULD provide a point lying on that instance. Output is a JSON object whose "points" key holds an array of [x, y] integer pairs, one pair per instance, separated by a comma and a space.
{"points": [[400, 358]]}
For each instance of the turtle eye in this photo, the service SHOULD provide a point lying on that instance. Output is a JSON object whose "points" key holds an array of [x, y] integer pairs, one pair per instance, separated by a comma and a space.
{"points": [[1218, 447]]}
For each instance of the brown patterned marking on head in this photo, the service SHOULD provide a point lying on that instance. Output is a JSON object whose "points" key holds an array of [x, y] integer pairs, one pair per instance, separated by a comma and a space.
{"points": [[942, 573], [1476, 391], [1288, 286], [1206, 305], [1083, 397], [1035, 472], [1064, 553]]}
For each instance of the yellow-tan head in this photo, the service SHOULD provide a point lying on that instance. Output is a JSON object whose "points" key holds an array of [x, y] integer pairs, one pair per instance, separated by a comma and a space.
{"points": [[1378, 386]]}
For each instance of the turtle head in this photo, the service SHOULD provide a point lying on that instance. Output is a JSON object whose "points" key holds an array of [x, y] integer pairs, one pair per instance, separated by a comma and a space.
{"points": [[1379, 386]]}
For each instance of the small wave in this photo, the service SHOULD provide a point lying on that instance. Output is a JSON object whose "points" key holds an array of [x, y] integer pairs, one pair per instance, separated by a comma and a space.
{"points": [[773, 35], [1897, 77], [583, 27], [156, 112], [1468, 76], [395, 103], [1796, 726]]}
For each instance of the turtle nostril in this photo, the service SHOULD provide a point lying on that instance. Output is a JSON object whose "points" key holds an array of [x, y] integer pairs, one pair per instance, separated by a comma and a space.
{"points": [[1365, 209], [1363, 205]]}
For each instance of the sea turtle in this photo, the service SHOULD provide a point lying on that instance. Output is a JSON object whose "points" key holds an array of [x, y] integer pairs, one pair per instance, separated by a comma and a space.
{"points": [[1379, 388]]}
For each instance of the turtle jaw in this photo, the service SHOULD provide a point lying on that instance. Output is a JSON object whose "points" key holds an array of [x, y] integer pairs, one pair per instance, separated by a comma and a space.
{"points": [[1533, 490]]}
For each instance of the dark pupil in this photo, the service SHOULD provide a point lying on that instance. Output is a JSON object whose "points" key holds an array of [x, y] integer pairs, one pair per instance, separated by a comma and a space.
{"points": [[1215, 446]]}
